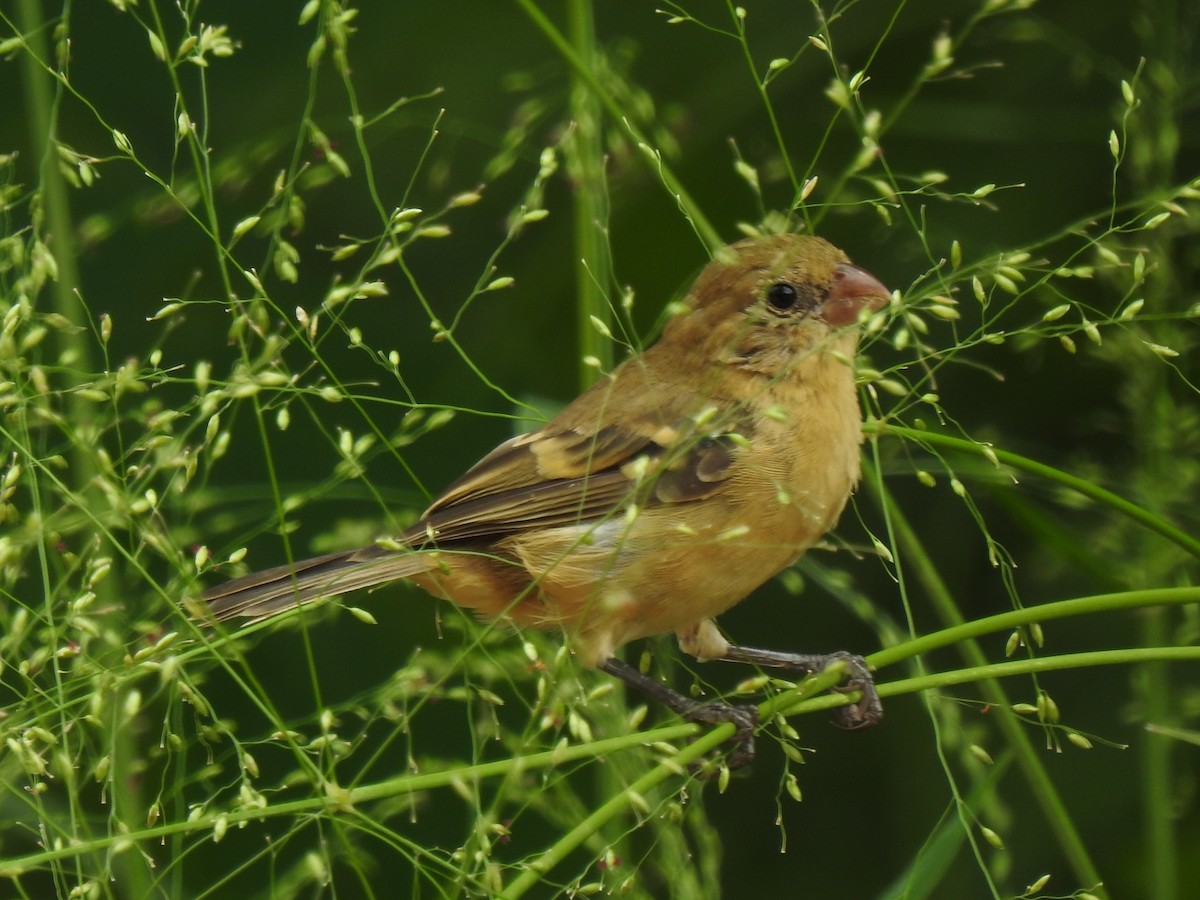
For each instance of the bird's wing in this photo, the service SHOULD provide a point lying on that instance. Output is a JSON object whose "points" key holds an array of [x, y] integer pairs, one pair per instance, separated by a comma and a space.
{"points": [[558, 477]]}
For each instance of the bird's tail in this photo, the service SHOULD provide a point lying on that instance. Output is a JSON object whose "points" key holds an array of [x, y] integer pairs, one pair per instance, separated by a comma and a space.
{"points": [[261, 595]]}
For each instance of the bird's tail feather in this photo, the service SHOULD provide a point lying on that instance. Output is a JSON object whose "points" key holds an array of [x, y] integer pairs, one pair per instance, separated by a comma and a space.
{"points": [[272, 591]]}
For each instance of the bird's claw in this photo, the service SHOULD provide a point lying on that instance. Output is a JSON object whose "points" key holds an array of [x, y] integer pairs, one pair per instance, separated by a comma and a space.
{"points": [[744, 719], [867, 710]]}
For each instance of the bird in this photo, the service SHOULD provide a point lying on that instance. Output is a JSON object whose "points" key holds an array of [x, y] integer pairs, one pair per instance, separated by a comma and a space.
{"points": [[666, 492]]}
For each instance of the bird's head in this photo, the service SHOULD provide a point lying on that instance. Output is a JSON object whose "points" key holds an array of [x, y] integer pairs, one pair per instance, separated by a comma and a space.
{"points": [[764, 302]]}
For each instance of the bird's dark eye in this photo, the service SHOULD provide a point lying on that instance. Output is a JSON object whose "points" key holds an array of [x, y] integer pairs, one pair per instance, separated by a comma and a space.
{"points": [[782, 296]]}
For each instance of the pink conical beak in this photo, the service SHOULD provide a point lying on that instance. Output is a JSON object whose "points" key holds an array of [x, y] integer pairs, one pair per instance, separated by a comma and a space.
{"points": [[852, 291]]}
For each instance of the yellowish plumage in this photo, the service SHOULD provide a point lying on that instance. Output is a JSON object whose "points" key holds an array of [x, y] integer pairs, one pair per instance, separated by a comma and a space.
{"points": [[662, 495]]}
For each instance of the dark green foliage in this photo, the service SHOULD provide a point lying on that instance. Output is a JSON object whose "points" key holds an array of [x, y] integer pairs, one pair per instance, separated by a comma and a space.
{"points": [[270, 276]]}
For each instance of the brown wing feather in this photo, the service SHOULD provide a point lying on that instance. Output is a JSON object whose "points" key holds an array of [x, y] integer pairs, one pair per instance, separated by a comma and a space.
{"points": [[508, 491], [698, 474], [546, 504], [505, 493], [529, 460]]}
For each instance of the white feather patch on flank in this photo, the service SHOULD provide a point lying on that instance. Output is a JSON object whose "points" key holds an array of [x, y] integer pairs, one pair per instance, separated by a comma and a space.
{"points": [[618, 600], [732, 534]]}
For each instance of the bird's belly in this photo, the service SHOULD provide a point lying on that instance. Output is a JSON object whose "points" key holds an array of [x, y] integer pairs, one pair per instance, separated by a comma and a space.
{"points": [[665, 569], [699, 573]]}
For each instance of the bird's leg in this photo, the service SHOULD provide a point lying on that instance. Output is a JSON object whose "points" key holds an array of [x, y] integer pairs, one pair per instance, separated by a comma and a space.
{"points": [[867, 711], [716, 712], [705, 642]]}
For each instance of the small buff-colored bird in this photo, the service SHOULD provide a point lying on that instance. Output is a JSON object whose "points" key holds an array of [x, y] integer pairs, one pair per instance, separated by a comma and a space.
{"points": [[662, 495]]}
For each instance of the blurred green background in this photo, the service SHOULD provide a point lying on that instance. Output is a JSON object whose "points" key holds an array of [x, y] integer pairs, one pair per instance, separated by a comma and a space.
{"points": [[1027, 104]]}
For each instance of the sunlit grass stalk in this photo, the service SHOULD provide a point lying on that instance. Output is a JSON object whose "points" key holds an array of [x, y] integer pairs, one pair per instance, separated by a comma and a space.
{"points": [[1027, 615], [787, 703], [585, 165], [55, 225], [1150, 127], [911, 555], [55, 221], [916, 560], [691, 210], [1082, 486]]}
